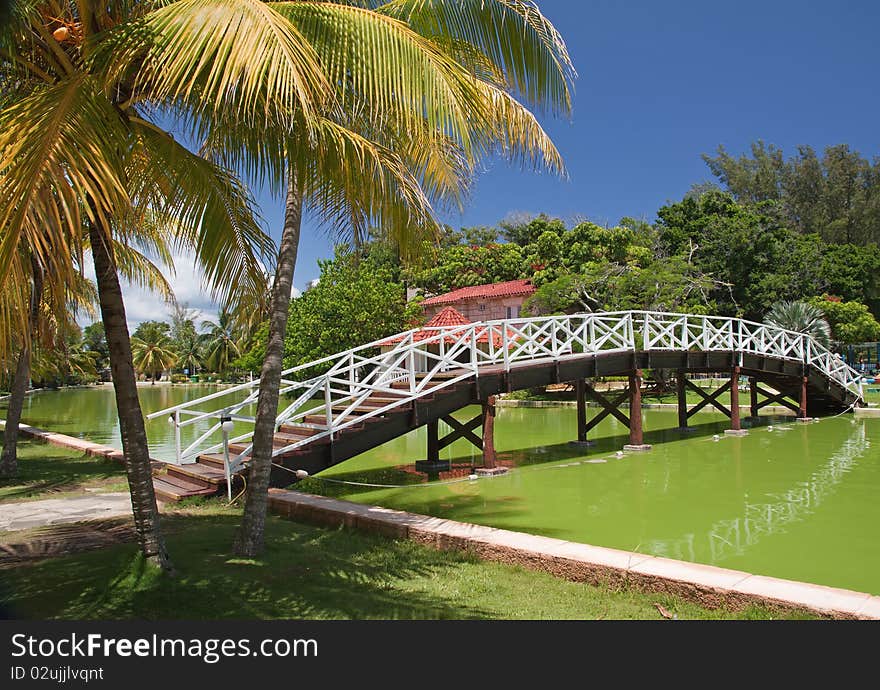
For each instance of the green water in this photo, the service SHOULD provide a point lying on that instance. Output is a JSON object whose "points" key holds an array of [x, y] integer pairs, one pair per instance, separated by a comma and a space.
{"points": [[797, 501], [90, 413]]}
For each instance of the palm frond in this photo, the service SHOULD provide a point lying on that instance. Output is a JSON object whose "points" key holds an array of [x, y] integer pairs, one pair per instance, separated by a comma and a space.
{"points": [[513, 35], [217, 57], [212, 213], [139, 270], [61, 157]]}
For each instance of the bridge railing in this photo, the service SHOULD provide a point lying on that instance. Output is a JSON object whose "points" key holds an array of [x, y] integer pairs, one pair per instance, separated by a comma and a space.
{"points": [[329, 395]]}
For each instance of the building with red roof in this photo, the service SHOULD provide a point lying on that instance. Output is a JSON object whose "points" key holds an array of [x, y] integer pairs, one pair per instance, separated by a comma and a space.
{"points": [[447, 317], [483, 302]]}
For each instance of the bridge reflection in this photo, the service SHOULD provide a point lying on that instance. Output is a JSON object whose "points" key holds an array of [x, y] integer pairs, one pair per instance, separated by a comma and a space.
{"points": [[732, 537]]}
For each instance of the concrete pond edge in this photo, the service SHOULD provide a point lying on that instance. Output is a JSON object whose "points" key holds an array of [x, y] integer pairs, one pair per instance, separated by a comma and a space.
{"points": [[706, 585]]}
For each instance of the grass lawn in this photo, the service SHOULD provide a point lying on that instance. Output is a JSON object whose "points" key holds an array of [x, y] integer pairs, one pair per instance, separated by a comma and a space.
{"points": [[311, 573], [46, 471]]}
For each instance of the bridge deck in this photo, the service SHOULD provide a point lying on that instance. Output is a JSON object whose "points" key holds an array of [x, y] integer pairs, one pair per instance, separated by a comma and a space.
{"points": [[378, 391]]}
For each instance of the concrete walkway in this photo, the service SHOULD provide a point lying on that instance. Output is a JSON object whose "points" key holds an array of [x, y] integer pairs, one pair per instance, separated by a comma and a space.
{"points": [[57, 511]]}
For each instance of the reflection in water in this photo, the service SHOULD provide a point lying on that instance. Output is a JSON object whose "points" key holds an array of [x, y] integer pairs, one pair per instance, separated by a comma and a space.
{"points": [[798, 502], [734, 536]]}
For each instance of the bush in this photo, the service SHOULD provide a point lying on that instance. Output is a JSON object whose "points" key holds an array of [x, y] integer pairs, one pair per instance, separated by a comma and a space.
{"points": [[179, 378]]}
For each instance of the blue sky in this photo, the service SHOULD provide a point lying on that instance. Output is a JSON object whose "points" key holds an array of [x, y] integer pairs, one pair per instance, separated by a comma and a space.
{"points": [[659, 84]]}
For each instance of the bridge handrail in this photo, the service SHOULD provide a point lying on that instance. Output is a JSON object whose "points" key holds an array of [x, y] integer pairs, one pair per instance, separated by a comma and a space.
{"points": [[356, 374]]}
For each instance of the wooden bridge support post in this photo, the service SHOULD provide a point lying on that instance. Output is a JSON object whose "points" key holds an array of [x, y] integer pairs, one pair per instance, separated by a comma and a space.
{"points": [[636, 438], [434, 441], [753, 398], [489, 457], [681, 388], [490, 460], [802, 412], [581, 394], [433, 465], [735, 424]]}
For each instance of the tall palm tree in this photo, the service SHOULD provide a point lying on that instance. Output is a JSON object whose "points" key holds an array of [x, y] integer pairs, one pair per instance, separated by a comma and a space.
{"points": [[472, 55], [21, 378], [51, 319], [78, 149], [152, 357], [221, 345], [189, 355], [801, 317]]}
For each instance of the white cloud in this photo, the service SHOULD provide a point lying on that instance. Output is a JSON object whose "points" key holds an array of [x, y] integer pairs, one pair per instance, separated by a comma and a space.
{"points": [[187, 283]]}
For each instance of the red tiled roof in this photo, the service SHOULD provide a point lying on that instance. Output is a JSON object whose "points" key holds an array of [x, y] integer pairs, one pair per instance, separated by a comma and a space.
{"points": [[448, 317], [511, 288]]}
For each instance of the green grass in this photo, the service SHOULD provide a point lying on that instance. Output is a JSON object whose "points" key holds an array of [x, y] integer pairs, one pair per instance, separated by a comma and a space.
{"points": [[46, 471], [313, 573]]}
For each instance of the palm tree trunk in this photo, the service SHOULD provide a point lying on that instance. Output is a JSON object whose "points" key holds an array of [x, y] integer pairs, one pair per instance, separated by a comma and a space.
{"points": [[131, 420], [9, 457], [249, 540]]}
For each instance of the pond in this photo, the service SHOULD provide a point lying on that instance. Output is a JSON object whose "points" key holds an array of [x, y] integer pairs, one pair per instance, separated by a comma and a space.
{"points": [[90, 413], [790, 500]]}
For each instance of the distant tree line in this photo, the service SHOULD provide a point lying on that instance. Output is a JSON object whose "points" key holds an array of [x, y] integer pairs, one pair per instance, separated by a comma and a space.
{"points": [[771, 232]]}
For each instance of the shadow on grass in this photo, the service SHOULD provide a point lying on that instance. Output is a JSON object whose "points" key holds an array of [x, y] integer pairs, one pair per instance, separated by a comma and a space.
{"points": [[44, 469], [306, 572]]}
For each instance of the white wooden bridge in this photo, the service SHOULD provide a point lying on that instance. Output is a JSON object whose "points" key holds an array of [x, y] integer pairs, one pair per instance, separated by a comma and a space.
{"points": [[345, 404]]}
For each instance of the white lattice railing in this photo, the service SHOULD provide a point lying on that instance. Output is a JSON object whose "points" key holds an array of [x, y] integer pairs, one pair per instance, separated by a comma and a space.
{"points": [[445, 356]]}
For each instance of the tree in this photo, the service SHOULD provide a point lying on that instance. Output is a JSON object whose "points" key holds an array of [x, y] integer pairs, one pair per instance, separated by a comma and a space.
{"points": [[77, 149], [21, 379], [152, 331], [95, 340], [836, 197], [464, 59], [464, 265], [221, 347], [800, 317], [524, 231], [153, 355], [851, 322]]}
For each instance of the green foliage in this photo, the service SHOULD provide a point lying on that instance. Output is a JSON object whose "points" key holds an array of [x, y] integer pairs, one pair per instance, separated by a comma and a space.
{"points": [[152, 331], [94, 340], [801, 317], [836, 196], [462, 265], [851, 322], [356, 301], [755, 260], [222, 347]]}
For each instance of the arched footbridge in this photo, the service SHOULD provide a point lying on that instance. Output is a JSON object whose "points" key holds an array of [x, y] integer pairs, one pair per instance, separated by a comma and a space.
{"points": [[343, 405]]}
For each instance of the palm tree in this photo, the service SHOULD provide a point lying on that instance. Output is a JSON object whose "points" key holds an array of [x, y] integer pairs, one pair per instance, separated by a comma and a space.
{"points": [[801, 317], [152, 357], [51, 319], [21, 378], [189, 355], [471, 55], [221, 345], [77, 149]]}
